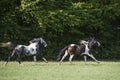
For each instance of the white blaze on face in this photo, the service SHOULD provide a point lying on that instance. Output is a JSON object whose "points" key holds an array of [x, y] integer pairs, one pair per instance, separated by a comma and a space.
{"points": [[98, 43], [45, 45]]}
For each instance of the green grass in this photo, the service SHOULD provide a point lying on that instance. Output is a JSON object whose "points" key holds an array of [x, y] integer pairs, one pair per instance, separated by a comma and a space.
{"points": [[106, 70]]}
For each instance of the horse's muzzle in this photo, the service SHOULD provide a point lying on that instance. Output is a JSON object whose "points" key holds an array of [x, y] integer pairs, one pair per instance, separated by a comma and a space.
{"points": [[98, 44], [45, 45]]}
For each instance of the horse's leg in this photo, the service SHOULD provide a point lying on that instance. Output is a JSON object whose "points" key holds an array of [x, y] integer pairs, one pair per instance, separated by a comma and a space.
{"points": [[93, 57], [34, 57], [44, 59], [66, 53], [71, 57], [85, 58], [10, 57], [19, 58], [72, 54], [41, 55]]}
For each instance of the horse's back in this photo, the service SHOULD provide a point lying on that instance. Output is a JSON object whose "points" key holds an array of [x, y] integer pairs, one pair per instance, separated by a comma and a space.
{"points": [[19, 46], [32, 45]]}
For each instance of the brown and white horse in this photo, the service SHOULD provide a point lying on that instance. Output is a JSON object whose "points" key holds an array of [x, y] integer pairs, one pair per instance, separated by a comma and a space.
{"points": [[83, 48]]}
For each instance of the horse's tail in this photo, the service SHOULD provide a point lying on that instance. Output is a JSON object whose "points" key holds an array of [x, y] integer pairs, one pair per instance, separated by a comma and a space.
{"points": [[61, 53], [9, 45]]}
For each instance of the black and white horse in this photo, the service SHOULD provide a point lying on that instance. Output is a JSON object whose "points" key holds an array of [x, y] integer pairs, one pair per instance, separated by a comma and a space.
{"points": [[33, 49], [84, 48]]}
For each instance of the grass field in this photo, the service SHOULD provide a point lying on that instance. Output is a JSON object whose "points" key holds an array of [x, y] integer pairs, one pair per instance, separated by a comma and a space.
{"points": [[106, 70]]}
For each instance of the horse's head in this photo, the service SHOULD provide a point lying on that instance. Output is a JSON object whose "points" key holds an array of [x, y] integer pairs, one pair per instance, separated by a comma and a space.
{"points": [[40, 41], [92, 41], [43, 42]]}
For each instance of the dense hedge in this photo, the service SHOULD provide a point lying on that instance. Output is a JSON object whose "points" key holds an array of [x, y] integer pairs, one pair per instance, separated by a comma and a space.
{"points": [[61, 22]]}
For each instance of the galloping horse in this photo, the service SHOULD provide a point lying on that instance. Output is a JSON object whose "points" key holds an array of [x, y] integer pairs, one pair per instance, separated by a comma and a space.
{"points": [[31, 50], [84, 48]]}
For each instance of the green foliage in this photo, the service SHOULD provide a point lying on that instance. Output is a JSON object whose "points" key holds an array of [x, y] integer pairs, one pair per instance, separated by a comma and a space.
{"points": [[61, 22]]}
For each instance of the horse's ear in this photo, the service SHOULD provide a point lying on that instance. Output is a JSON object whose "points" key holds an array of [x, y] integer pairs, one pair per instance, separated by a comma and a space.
{"points": [[91, 38], [40, 37]]}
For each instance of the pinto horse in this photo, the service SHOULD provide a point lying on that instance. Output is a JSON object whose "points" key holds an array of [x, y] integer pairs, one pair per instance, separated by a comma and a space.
{"points": [[84, 48], [33, 49]]}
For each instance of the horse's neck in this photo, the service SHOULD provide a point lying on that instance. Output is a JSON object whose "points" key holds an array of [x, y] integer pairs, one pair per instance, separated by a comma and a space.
{"points": [[90, 45], [82, 46]]}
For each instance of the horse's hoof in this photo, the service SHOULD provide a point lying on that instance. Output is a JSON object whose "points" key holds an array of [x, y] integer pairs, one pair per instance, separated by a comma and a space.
{"points": [[59, 63], [21, 65], [5, 64], [98, 62]]}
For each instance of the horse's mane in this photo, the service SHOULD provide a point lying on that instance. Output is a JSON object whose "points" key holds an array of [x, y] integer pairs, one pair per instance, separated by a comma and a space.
{"points": [[83, 42]]}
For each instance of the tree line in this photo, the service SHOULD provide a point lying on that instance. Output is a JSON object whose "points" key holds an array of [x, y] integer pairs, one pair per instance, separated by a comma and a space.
{"points": [[61, 22]]}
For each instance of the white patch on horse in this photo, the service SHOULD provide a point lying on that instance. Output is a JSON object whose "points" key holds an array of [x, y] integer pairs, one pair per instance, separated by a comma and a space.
{"points": [[32, 48], [19, 46], [86, 49], [72, 44], [83, 42], [71, 57], [66, 53]]}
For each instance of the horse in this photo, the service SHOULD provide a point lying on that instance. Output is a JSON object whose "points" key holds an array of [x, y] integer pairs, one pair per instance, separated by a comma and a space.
{"points": [[33, 49], [84, 48]]}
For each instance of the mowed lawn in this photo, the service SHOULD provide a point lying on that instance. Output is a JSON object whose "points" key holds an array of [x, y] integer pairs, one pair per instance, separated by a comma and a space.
{"points": [[109, 70]]}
